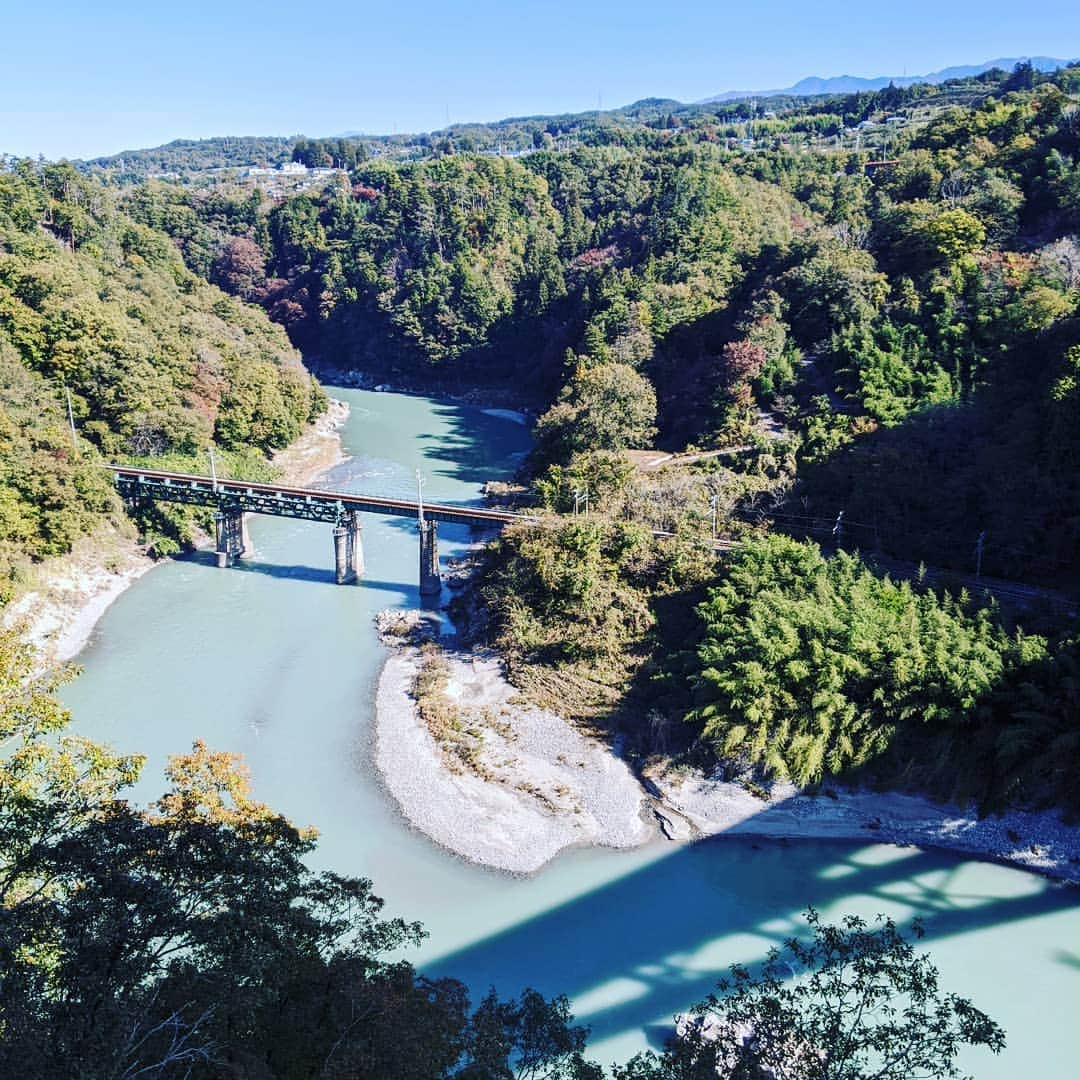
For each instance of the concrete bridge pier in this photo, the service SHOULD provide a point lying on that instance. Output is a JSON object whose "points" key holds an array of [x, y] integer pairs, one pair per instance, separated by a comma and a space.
{"points": [[231, 535], [430, 582], [348, 548]]}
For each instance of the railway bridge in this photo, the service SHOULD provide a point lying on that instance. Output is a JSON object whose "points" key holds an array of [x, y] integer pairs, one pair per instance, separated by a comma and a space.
{"points": [[233, 500]]}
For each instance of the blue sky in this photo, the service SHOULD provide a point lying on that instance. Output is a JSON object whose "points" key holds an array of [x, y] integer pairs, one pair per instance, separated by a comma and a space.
{"points": [[81, 79]]}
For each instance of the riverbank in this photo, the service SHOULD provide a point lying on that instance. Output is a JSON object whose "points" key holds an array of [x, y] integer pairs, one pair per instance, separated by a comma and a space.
{"points": [[508, 403], [515, 787], [1038, 841], [534, 785], [65, 597], [317, 450]]}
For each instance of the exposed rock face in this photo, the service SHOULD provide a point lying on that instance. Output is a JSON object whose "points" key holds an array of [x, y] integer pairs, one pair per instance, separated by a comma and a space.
{"points": [[397, 627]]}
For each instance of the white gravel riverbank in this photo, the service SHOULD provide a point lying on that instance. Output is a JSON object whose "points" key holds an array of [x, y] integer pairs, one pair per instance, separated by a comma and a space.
{"points": [[317, 450], [62, 604], [1037, 841], [587, 795], [538, 786]]}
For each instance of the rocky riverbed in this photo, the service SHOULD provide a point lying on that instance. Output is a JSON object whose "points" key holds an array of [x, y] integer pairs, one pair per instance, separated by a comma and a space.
{"points": [[1038, 841]]}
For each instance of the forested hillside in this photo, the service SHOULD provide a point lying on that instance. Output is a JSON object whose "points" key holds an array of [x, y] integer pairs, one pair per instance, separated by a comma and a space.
{"points": [[906, 314], [875, 332], [186, 157], [156, 361], [859, 314]]}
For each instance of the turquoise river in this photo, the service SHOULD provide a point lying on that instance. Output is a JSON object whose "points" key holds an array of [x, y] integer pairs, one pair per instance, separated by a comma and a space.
{"points": [[275, 662]]}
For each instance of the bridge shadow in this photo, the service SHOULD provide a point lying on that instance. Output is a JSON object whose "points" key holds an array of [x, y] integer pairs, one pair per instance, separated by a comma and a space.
{"points": [[636, 950], [296, 572], [293, 572]]}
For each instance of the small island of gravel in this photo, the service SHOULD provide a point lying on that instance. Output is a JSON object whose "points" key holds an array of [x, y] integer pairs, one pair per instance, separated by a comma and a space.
{"points": [[502, 784]]}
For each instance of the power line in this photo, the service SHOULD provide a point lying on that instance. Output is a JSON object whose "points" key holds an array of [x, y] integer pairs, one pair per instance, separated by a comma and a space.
{"points": [[71, 420]]}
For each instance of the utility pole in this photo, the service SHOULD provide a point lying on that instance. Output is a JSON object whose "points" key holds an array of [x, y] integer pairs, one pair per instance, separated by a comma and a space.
{"points": [[838, 528], [420, 498], [979, 543], [213, 470], [713, 503], [71, 420]]}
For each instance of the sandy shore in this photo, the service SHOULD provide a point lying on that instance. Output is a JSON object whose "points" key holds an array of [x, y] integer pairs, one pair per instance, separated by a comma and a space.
{"points": [[492, 815], [69, 594], [536, 786], [317, 450]]}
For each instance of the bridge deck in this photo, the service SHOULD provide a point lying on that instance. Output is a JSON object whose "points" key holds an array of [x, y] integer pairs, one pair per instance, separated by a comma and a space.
{"points": [[313, 504]]}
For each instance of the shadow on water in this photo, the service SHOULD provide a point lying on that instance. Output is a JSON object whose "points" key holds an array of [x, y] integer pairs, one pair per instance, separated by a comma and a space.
{"points": [[315, 574], [643, 947], [464, 445], [1069, 959]]}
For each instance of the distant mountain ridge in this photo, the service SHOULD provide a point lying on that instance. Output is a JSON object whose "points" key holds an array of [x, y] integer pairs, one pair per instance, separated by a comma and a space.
{"points": [[511, 134], [852, 84]]}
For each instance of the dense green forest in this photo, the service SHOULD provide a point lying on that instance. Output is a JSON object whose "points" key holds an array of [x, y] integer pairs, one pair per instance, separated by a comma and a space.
{"points": [[859, 316], [156, 361], [816, 667], [913, 321]]}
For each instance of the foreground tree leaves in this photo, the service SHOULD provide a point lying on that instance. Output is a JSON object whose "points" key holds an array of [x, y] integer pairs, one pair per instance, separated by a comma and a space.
{"points": [[527, 1039], [855, 1002]]}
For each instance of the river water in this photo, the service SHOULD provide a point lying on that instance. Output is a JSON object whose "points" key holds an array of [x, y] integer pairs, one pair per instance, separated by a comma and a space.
{"points": [[275, 662]]}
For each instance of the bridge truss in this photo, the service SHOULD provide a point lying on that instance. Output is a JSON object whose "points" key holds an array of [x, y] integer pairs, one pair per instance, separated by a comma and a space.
{"points": [[232, 500]]}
